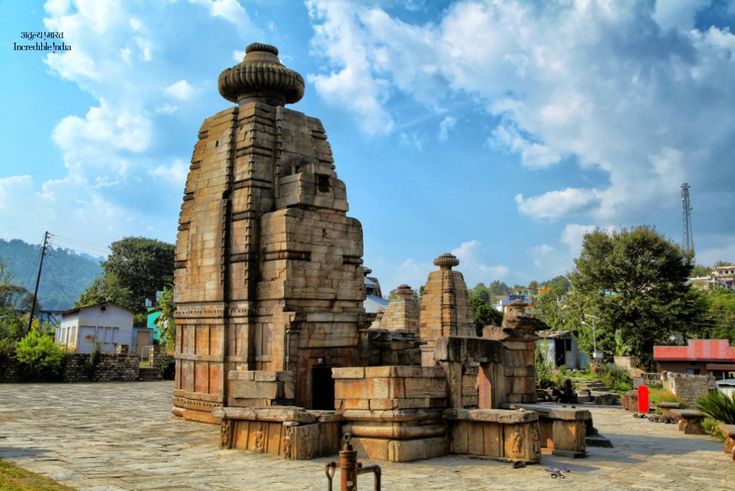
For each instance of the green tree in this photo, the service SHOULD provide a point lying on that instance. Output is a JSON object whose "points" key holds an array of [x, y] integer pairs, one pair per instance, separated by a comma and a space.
{"points": [[559, 284], [720, 317], [498, 289], [139, 265], [699, 271], [13, 327], [482, 307], [635, 280], [107, 288], [166, 321], [14, 299], [533, 287]]}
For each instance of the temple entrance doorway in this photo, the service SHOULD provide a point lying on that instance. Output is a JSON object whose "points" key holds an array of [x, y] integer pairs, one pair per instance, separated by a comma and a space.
{"points": [[322, 386]]}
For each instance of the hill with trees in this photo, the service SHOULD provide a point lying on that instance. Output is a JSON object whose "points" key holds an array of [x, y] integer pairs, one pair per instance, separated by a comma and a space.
{"points": [[66, 273]]}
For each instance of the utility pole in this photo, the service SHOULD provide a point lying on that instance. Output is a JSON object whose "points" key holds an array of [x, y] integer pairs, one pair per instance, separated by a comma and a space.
{"points": [[38, 279], [687, 237]]}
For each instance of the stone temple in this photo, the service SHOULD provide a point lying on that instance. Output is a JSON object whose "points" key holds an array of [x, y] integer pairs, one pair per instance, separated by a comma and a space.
{"points": [[268, 265], [272, 340]]}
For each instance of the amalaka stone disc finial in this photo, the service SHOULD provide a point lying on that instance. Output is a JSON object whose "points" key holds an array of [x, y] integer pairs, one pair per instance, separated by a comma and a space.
{"points": [[404, 290], [260, 76], [446, 261]]}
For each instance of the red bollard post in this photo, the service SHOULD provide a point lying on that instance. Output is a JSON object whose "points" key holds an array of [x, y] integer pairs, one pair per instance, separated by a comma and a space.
{"points": [[643, 399]]}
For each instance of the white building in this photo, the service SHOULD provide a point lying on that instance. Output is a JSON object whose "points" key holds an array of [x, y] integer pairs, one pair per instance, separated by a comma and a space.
{"points": [[98, 327]]}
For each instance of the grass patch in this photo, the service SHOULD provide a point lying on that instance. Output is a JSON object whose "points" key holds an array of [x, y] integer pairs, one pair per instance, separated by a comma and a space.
{"points": [[14, 478], [145, 363], [659, 394]]}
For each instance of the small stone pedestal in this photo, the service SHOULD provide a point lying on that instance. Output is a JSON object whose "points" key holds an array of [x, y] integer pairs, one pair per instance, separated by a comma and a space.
{"points": [[498, 434], [563, 430], [690, 421], [287, 432], [667, 410]]}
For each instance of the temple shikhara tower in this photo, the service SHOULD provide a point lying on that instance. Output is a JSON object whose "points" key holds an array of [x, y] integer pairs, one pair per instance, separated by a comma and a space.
{"points": [[273, 342], [268, 265]]}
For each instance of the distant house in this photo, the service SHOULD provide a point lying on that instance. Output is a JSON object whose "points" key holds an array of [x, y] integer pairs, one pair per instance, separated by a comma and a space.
{"points": [[560, 348], [721, 277], [374, 303], [700, 357], [725, 276], [504, 302], [99, 327]]}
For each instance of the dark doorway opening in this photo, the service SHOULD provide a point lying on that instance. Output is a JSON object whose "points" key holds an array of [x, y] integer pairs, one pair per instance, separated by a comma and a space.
{"points": [[322, 387], [560, 354]]}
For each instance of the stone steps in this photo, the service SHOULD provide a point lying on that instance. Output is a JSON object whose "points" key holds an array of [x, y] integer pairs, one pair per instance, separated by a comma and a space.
{"points": [[149, 374]]}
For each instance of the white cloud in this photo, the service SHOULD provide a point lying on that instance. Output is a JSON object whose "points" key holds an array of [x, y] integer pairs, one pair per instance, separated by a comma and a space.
{"points": [[123, 140], [411, 139], [415, 272], [350, 83], [13, 187], [445, 125], [174, 173], [533, 154], [629, 89], [550, 261], [677, 14], [181, 90], [473, 267], [238, 55], [411, 272], [553, 205], [573, 235], [229, 10]]}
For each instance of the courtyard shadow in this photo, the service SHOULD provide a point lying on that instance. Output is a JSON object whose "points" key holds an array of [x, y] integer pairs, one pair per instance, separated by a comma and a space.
{"points": [[19, 453]]}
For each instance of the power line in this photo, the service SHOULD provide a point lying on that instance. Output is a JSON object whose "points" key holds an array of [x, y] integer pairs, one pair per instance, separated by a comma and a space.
{"points": [[79, 243]]}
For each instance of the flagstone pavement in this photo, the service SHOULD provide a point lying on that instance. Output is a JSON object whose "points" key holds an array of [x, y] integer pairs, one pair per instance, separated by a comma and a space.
{"points": [[123, 436]]}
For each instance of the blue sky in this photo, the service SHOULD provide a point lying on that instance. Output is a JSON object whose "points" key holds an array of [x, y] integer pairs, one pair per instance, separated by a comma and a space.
{"points": [[500, 131]]}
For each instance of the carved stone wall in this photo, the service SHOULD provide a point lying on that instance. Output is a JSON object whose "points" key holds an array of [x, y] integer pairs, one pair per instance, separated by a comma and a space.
{"points": [[268, 265]]}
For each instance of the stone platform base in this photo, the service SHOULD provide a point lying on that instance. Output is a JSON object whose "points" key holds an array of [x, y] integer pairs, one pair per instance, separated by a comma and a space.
{"points": [[287, 432], [400, 450], [499, 434], [397, 435], [198, 416]]}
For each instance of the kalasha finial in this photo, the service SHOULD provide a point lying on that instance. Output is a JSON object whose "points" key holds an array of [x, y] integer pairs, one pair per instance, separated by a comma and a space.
{"points": [[404, 290], [446, 261], [260, 76]]}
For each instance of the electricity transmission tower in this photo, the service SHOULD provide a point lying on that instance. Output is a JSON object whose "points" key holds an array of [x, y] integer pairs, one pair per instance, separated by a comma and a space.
{"points": [[687, 238]]}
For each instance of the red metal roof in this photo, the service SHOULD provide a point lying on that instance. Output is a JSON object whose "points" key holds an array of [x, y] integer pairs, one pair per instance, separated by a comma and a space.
{"points": [[697, 350]]}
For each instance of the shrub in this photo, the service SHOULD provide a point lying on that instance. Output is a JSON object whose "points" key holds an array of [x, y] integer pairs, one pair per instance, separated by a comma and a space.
{"points": [[718, 405], [544, 373], [38, 356], [12, 328], [168, 370]]}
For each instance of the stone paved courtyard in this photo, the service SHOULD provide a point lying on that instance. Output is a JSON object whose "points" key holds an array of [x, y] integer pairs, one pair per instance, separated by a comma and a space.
{"points": [[122, 436]]}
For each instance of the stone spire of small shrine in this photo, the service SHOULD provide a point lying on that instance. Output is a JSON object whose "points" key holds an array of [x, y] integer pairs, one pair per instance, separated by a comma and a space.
{"points": [[445, 306], [260, 76], [402, 313]]}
